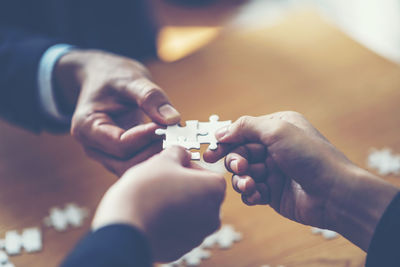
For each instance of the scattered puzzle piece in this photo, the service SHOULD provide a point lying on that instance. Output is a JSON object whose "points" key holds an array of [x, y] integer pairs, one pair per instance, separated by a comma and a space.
{"points": [[194, 257], [384, 161], [13, 243], [30, 240], [223, 238], [71, 215], [3, 257], [227, 236], [327, 234]]}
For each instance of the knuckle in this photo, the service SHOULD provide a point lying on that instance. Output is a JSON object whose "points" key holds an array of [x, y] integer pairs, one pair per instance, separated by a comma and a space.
{"points": [[292, 115], [280, 128], [148, 95], [244, 120]]}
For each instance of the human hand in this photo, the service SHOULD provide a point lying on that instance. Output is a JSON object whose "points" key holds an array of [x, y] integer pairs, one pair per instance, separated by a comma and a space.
{"points": [[282, 160], [112, 93], [175, 203]]}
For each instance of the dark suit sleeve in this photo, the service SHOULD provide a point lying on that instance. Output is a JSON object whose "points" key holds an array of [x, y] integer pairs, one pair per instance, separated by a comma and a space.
{"points": [[384, 249], [20, 54], [115, 245]]}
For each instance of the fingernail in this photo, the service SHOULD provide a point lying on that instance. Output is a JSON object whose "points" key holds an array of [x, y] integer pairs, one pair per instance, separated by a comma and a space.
{"points": [[219, 134], [234, 165], [241, 184], [168, 112]]}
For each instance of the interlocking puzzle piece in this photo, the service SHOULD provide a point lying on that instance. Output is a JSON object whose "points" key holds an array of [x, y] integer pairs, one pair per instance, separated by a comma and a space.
{"points": [[211, 127], [7, 264], [384, 161], [32, 240], [193, 134], [72, 215], [182, 136]]}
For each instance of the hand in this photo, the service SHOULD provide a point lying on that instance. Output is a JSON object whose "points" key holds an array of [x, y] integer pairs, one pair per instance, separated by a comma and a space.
{"points": [[282, 160], [174, 202], [113, 92]]}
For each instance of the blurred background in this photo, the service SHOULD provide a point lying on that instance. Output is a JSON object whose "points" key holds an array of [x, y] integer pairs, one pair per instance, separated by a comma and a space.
{"points": [[373, 23]]}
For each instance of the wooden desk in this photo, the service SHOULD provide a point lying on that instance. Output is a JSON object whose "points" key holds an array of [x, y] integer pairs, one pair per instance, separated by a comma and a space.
{"points": [[302, 64]]}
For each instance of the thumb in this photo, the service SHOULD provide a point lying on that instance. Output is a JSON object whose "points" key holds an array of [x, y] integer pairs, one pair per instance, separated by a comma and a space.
{"points": [[152, 100], [244, 130], [178, 155]]}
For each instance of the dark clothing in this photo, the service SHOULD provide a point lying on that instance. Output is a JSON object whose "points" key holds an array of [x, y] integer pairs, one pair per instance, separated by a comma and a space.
{"points": [[384, 248], [28, 28], [111, 246]]}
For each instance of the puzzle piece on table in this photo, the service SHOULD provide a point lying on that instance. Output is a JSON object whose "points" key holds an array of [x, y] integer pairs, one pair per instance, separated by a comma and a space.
{"points": [[12, 243], [227, 236], [224, 238], [194, 257], [3, 257], [384, 161], [211, 127], [327, 234], [193, 134], [71, 215], [30, 240]]}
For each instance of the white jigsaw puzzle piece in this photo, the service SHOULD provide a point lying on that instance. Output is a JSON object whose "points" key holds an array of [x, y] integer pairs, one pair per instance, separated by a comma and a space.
{"points": [[194, 257], [384, 161], [211, 127], [182, 136], [57, 219], [327, 234], [7, 264], [75, 215], [71, 215], [3, 257], [32, 240], [13, 243], [227, 236]]}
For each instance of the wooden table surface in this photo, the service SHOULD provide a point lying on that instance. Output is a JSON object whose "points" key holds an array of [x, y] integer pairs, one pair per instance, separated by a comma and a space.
{"points": [[302, 64]]}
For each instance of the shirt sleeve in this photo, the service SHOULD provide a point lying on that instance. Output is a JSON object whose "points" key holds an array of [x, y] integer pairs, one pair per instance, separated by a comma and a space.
{"points": [[47, 98], [384, 249], [116, 245]]}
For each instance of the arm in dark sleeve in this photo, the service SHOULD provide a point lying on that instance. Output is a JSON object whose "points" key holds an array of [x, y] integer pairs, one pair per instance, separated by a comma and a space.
{"points": [[20, 54], [115, 245], [384, 249]]}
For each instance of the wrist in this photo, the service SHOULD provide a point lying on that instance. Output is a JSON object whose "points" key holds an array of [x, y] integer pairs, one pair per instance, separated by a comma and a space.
{"points": [[357, 202]]}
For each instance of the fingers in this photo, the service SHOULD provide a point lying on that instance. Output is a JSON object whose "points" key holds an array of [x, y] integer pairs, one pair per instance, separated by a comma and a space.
{"points": [[178, 154], [99, 132], [243, 131], [252, 193], [152, 100], [119, 166]]}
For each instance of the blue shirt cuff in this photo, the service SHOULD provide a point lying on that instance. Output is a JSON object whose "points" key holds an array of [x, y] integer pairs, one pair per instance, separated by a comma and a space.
{"points": [[47, 98]]}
